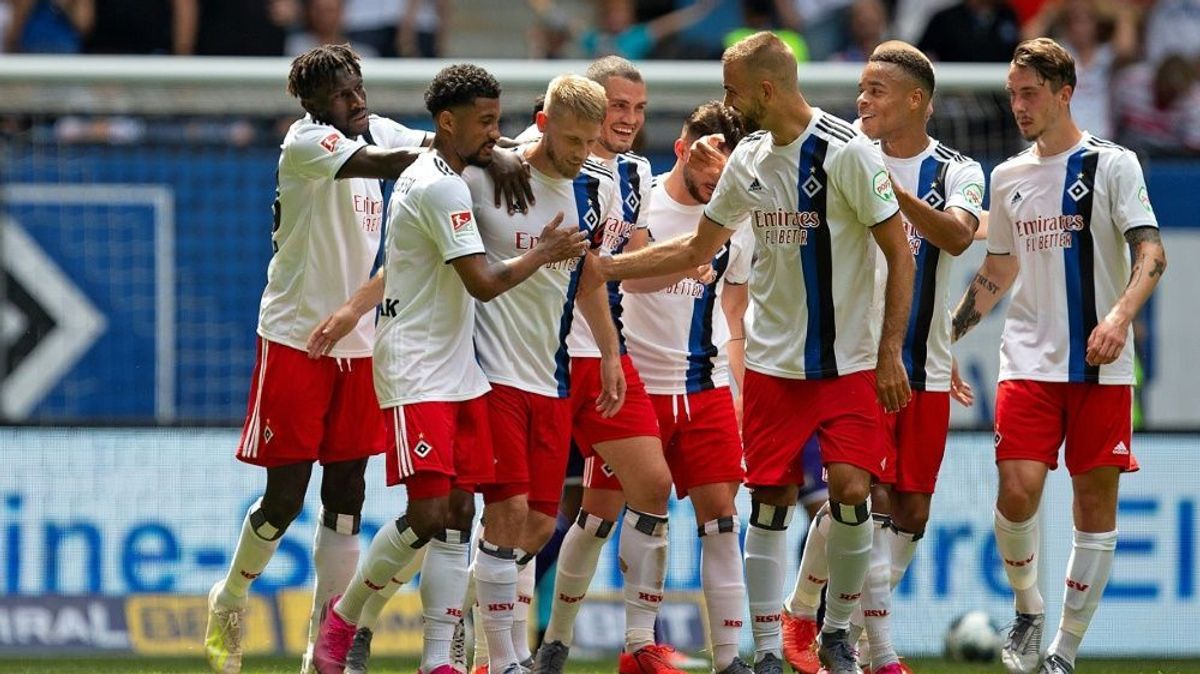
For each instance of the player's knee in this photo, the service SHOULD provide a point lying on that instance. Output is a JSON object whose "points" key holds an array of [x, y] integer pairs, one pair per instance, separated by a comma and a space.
{"points": [[428, 518], [344, 487], [460, 512], [911, 513], [850, 492], [1015, 502], [281, 507]]}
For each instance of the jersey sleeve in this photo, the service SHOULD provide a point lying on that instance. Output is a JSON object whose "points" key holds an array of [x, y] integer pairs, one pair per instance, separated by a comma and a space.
{"points": [[730, 202], [1000, 226], [646, 187], [448, 219], [964, 187], [1130, 201], [859, 174], [741, 254], [319, 151], [391, 134]]}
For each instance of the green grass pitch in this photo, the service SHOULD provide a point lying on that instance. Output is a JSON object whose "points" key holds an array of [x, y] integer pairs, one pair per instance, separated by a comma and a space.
{"points": [[274, 665]]}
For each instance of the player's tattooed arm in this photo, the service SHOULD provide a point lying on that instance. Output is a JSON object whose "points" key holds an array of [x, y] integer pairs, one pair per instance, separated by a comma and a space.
{"points": [[994, 278], [1107, 340]]}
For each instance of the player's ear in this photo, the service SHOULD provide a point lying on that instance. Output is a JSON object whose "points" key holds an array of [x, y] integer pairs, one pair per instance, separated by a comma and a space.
{"points": [[681, 149], [444, 121], [540, 119]]}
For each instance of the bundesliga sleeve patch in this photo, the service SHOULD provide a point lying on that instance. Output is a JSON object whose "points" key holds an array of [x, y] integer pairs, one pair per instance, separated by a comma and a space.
{"points": [[461, 222], [881, 184], [330, 142]]}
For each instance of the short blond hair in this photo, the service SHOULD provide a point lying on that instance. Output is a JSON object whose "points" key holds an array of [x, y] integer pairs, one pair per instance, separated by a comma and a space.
{"points": [[766, 53], [578, 96]]}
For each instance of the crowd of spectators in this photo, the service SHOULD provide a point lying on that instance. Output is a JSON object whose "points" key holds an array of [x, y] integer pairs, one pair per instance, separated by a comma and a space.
{"points": [[1138, 60]]}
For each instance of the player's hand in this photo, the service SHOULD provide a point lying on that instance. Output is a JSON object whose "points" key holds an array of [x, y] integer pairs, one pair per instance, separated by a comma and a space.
{"points": [[960, 390], [704, 274], [329, 331], [705, 158], [1107, 341], [612, 387], [510, 173], [891, 382], [561, 242]]}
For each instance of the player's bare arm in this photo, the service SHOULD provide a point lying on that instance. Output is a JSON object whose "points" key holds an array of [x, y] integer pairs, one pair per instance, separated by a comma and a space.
{"points": [[484, 281], [1149, 262], [339, 324], [734, 299], [593, 304], [995, 276], [510, 174], [951, 230], [673, 256], [891, 379], [981, 231]]}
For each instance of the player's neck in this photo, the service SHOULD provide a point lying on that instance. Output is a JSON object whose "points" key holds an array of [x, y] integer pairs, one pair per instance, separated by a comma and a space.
{"points": [[445, 148], [906, 142], [677, 188], [604, 153], [789, 120], [1059, 139], [539, 159]]}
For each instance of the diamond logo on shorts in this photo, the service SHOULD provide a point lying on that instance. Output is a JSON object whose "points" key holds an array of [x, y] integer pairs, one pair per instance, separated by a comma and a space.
{"points": [[1121, 448], [608, 472], [268, 433], [997, 439], [422, 449]]}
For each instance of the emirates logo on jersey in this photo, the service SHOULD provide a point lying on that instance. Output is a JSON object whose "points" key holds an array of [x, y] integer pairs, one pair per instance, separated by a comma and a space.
{"points": [[330, 142]]}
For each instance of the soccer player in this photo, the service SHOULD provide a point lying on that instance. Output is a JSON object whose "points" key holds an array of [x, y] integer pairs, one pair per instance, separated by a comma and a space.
{"points": [[677, 338], [815, 191], [328, 216], [426, 377], [1065, 214], [626, 446], [521, 338], [940, 193]]}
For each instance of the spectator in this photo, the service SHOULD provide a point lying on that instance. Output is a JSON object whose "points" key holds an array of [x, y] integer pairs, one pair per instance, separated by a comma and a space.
{"points": [[245, 28], [1173, 27], [973, 30], [375, 23], [140, 27], [822, 22], [618, 34], [1158, 110], [323, 25], [422, 28], [868, 28], [760, 15], [1101, 38], [550, 33], [48, 26]]}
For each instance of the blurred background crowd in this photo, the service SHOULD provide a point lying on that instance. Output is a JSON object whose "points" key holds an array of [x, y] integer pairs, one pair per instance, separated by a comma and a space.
{"points": [[1149, 50]]}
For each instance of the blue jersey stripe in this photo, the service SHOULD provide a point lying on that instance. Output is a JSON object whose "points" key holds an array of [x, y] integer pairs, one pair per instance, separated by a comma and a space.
{"points": [[587, 208], [932, 178], [702, 353], [816, 262], [1078, 263]]}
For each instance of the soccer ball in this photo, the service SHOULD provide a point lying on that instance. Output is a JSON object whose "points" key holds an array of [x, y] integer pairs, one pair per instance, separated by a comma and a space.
{"points": [[972, 637]]}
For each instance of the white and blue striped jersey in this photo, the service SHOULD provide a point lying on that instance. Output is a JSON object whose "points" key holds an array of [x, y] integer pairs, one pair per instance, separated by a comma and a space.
{"points": [[634, 179], [676, 336], [811, 204], [1064, 217], [521, 335], [944, 179]]}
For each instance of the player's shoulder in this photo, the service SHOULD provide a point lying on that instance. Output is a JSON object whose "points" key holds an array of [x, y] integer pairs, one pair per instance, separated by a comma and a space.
{"points": [[837, 130], [594, 168], [1016, 162], [748, 147], [641, 162], [1110, 153], [948, 155]]}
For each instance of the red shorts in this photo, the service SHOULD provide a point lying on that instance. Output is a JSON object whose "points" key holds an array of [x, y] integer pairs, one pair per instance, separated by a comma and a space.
{"points": [[309, 410], [780, 415], [635, 419], [700, 439], [915, 441], [531, 437], [440, 438], [1033, 418]]}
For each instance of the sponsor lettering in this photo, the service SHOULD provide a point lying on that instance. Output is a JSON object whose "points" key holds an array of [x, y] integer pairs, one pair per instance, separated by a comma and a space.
{"points": [[370, 212], [503, 606], [732, 623], [526, 241], [568, 599], [1020, 562], [881, 185], [914, 237], [973, 193], [768, 618], [1076, 585], [612, 236], [875, 613], [784, 228], [688, 287], [652, 598], [388, 308], [1048, 232]]}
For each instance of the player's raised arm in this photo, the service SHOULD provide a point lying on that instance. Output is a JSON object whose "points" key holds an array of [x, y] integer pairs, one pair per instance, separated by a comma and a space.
{"points": [[683, 253], [485, 280], [951, 230]]}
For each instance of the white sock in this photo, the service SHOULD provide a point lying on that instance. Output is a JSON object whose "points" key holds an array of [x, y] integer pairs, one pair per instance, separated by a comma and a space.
{"points": [[724, 588], [443, 584], [255, 547], [1017, 543], [904, 546], [766, 550], [368, 617], [643, 554], [335, 558], [391, 550], [849, 552], [495, 571], [877, 597], [814, 569], [577, 561], [1087, 575], [526, 576]]}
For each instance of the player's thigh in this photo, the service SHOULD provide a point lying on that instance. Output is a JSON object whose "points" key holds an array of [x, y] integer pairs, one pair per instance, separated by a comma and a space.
{"points": [[549, 451], [285, 415], [420, 439], [474, 462], [920, 440], [510, 418], [1099, 428], [779, 416], [707, 448], [354, 423], [1030, 422]]}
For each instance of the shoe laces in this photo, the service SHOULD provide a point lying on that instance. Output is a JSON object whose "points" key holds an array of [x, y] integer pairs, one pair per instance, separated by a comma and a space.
{"points": [[1023, 635], [360, 650], [841, 653], [554, 658], [231, 626]]}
